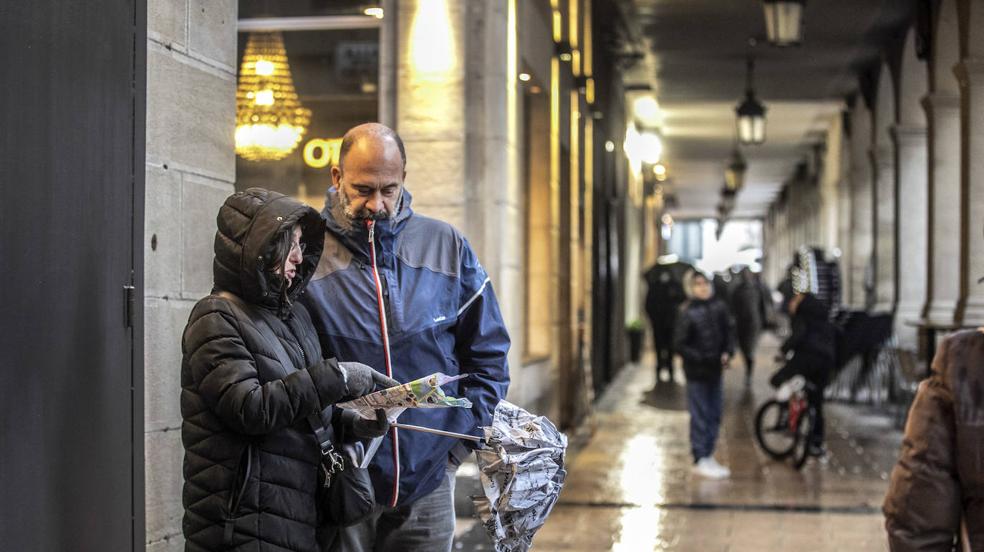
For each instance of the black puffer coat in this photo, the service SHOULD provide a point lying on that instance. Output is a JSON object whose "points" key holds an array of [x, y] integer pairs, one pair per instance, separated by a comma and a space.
{"points": [[251, 457], [704, 331]]}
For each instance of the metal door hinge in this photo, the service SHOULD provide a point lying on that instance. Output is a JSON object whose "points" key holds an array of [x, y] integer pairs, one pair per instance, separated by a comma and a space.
{"points": [[128, 298]]}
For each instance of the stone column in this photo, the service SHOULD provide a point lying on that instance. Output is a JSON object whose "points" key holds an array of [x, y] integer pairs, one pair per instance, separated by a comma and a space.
{"points": [[883, 159], [861, 237], [970, 72], [943, 114], [912, 230], [430, 105], [190, 170]]}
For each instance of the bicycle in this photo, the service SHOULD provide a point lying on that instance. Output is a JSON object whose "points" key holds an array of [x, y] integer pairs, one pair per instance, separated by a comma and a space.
{"points": [[784, 423]]}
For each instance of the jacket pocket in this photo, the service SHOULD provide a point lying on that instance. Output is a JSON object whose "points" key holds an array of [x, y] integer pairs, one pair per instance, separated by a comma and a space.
{"points": [[239, 483]]}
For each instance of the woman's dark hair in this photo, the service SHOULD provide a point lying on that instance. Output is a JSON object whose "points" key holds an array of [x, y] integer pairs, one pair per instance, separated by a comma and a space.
{"points": [[278, 250]]}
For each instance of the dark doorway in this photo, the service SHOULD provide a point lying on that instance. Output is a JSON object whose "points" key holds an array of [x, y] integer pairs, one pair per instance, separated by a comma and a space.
{"points": [[72, 110]]}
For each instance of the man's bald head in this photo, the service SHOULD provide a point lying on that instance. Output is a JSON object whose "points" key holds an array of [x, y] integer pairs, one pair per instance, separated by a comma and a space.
{"points": [[373, 132]]}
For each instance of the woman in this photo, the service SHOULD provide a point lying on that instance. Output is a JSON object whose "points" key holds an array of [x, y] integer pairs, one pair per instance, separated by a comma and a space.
{"points": [[254, 385], [705, 338]]}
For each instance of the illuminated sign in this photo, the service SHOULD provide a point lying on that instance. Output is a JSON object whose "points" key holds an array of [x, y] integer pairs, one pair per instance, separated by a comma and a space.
{"points": [[321, 152]]}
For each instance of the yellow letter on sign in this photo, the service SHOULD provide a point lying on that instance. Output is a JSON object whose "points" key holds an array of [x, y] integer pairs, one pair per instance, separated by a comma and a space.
{"points": [[319, 153]]}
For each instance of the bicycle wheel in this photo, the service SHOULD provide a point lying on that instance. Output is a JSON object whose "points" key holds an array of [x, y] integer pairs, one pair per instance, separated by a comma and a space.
{"points": [[801, 448], [772, 429]]}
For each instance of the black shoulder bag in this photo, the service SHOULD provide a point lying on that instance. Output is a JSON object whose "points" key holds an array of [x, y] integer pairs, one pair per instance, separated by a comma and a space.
{"points": [[345, 494]]}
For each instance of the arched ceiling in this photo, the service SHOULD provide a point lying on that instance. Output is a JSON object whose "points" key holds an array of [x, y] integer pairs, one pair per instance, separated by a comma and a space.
{"points": [[699, 48]]}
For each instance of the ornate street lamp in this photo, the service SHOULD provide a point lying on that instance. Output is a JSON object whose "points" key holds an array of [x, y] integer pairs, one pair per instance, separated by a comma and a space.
{"points": [[751, 113], [784, 21], [734, 174]]}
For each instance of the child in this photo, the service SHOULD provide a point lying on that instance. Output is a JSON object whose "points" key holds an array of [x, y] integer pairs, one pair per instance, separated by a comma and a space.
{"points": [[812, 346], [704, 336]]}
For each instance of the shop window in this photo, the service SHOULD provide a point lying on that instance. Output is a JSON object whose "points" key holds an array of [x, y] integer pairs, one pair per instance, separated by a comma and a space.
{"points": [[335, 73]]}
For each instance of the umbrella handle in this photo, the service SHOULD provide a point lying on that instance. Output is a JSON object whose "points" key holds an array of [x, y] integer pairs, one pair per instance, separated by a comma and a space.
{"points": [[437, 432]]}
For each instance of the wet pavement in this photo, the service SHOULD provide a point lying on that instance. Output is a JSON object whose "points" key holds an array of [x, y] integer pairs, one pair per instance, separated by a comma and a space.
{"points": [[630, 487]]}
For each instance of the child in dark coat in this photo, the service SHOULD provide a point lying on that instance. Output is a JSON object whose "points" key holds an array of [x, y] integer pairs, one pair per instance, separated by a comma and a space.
{"points": [[704, 336]]}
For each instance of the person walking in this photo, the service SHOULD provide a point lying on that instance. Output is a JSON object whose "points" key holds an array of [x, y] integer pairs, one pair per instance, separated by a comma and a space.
{"points": [[254, 385], [936, 493], [406, 293], [751, 307], [664, 294], [704, 337]]}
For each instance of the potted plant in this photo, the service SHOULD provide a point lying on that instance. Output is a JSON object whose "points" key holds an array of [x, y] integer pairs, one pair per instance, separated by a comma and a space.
{"points": [[635, 329]]}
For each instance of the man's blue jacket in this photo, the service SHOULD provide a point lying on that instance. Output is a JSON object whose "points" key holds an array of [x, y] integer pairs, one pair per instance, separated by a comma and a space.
{"points": [[442, 316]]}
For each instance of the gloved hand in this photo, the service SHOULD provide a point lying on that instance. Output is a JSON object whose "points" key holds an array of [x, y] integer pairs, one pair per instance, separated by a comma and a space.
{"points": [[361, 379], [370, 429]]}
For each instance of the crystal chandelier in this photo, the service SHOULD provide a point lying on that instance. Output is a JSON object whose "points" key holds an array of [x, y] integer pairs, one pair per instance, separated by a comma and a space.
{"points": [[270, 119]]}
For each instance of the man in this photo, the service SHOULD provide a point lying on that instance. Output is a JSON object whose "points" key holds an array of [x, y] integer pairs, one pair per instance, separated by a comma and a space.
{"points": [[406, 293], [664, 294]]}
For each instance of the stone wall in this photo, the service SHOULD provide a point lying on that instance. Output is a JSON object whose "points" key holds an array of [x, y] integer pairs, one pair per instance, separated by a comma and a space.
{"points": [[191, 84]]}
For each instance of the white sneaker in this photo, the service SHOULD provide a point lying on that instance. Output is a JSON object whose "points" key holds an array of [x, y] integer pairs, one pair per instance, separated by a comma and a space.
{"points": [[709, 469], [723, 469]]}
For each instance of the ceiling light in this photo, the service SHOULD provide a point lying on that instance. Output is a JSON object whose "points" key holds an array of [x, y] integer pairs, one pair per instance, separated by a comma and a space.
{"points": [[659, 170], [734, 175], [525, 77], [646, 108], [609, 146], [566, 57], [751, 113], [374, 12], [784, 21]]}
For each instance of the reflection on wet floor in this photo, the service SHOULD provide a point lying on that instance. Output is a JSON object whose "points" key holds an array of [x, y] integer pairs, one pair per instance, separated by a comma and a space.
{"points": [[630, 487]]}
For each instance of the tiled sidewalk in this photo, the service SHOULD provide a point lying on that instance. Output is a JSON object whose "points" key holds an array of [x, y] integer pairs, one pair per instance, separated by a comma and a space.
{"points": [[630, 488]]}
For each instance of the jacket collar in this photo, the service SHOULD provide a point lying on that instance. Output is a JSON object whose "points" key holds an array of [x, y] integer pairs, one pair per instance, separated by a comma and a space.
{"points": [[355, 236]]}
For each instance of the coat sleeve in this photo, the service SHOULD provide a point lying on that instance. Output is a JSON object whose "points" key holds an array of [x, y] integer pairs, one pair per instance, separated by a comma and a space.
{"points": [[223, 371], [481, 340], [922, 508]]}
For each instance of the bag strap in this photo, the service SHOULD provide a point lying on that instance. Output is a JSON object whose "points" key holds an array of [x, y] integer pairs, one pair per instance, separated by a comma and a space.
{"points": [[314, 420]]}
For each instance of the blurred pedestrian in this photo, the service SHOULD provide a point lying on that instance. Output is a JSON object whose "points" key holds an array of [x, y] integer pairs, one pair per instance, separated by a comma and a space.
{"points": [[664, 294], [255, 388], [751, 306], [810, 351], [937, 487], [704, 337]]}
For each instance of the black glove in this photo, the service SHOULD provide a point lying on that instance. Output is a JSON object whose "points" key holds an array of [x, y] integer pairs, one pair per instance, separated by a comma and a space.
{"points": [[370, 429], [361, 379]]}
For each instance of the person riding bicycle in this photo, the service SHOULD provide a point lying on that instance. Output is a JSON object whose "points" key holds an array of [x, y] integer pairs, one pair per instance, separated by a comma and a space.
{"points": [[810, 350]]}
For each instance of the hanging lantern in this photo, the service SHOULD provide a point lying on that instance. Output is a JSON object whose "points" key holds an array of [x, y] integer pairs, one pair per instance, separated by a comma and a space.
{"points": [[734, 174], [270, 119], [784, 21], [751, 113]]}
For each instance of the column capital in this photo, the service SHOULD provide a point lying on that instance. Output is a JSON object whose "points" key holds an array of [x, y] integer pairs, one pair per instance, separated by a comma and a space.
{"points": [[940, 101], [882, 155], [970, 72], [909, 136]]}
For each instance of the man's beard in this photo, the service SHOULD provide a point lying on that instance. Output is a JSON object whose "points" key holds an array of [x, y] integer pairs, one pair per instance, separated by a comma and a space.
{"points": [[347, 216]]}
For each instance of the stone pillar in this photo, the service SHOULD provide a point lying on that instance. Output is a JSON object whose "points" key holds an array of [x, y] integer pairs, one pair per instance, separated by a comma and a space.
{"points": [[913, 230], [883, 159], [861, 236], [430, 105], [970, 72], [190, 170], [943, 114]]}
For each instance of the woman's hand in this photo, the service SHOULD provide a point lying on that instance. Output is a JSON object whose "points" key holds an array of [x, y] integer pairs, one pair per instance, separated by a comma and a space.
{"points": [[361, 379]]}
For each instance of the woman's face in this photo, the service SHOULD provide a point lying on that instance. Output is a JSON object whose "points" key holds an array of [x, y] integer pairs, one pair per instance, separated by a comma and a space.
{"points": [[294, 256]]}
